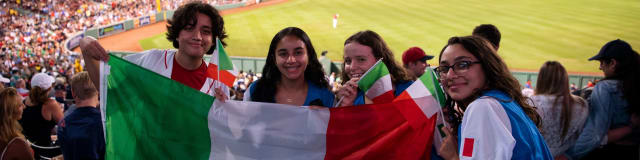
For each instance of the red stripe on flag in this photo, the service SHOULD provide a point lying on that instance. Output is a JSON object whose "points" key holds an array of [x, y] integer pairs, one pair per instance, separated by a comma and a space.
{"points": [[225, 76], [396, 130], [403, 96], [467, 151], [212, 71], [384, 98]]}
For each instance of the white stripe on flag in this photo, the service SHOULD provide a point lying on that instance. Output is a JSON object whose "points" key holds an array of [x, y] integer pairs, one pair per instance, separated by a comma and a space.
{"points": [[240, 130], [380, 87], [104, 72]]}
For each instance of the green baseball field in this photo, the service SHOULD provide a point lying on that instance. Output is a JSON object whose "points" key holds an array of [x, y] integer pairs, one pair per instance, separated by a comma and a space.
{"points": [[568, 31]]}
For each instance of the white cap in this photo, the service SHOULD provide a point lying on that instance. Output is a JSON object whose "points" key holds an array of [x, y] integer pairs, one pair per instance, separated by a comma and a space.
{"points": [[42, 80], [4, 80]]}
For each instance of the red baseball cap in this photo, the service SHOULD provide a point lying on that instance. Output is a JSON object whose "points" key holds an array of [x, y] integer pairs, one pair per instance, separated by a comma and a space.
{"points": [[414, 54]]}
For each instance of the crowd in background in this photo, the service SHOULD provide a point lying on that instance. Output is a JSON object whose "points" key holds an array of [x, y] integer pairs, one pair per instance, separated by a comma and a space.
{"points": [[32, 32]]}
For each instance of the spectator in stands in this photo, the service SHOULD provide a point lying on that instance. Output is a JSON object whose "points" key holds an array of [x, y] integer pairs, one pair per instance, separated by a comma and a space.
{"points": [[80, 133], [490, 33], [192, 30], [59, 93], [41, 113], [563, 114], [493, 120], [415, 61], [361, 51], [21, 87], [12, 142], [292, 73], [612, 128], [528, 91]]}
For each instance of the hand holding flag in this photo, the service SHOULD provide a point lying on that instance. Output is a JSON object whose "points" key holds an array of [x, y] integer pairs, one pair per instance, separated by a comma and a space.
{"points": [[376, 84], [221, 73]]}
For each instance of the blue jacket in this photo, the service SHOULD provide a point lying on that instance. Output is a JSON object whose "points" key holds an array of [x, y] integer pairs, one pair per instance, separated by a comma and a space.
{"points": [[607, 110]]}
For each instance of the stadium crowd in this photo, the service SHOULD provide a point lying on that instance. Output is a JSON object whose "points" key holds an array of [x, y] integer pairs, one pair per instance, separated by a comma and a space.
{"points": [[32, 32], [598, 121]]}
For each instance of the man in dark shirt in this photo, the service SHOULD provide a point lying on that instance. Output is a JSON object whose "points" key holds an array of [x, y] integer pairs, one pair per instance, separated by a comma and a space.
{"points": [[80, 133]]}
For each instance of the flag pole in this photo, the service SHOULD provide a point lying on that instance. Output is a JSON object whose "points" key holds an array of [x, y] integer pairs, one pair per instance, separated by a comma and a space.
{"points": [[434, 80], [365, 73], [218, 68]]}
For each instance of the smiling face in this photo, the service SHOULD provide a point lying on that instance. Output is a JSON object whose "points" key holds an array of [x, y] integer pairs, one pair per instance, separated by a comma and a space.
{"points": [[358, 59], [461, 84], [196, 39], [291, 57]]}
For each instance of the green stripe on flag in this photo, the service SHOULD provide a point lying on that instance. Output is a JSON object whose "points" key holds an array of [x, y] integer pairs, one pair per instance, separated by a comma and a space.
{"points": [[223, 58], [370, 77], [149, 116], [431, 82]]}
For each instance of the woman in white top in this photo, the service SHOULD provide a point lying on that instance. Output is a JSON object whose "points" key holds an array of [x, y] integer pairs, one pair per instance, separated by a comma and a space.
{"points": [[563, 115], [493, 120]]}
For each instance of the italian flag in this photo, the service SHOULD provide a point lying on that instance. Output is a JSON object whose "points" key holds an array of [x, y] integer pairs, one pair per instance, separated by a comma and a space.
{"points": [[432, 100], [220, 72], [376, 83], [148, 116]]}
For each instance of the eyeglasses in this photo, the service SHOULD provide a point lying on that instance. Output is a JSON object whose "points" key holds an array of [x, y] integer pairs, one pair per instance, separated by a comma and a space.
{"points": [[458, 67]]}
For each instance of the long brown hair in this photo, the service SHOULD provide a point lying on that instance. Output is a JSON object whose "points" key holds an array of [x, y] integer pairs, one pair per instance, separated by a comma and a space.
{"points": [[554, 80], [380, 50], [497, 77], [9, 108], [39, 96]]}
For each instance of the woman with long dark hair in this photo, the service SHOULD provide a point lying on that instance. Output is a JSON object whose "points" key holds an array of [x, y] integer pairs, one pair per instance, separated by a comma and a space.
{"points": [[493, 121], [564, 114], [614, 105], [292, 73]]}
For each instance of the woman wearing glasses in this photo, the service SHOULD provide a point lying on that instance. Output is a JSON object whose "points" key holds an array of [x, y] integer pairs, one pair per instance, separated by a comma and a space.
{"points": [[361, 51], [493, 120]]}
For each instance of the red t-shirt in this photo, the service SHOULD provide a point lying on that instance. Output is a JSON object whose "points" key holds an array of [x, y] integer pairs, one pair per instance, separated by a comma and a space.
{"points": [[192, 78]]}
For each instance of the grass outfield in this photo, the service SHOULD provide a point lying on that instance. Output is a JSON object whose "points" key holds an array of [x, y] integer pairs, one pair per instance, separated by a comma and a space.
{"points": [[568, 31]]}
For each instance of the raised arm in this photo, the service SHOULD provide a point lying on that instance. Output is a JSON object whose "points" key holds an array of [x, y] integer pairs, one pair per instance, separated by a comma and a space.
{"points": [[93, 52]]}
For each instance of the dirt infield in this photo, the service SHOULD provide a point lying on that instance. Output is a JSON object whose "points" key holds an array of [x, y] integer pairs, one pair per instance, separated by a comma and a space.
{"points": [[128, 41]]}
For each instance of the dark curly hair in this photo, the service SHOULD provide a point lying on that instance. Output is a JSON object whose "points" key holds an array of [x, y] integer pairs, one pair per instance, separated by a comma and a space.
{"points": [[186, 15], [265, 88], [380, 50]]}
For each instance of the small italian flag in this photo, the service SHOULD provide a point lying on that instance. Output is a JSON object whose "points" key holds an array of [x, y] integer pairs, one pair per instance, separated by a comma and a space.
{"points": [[376, 83], [432, 101], [221, 72]]}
